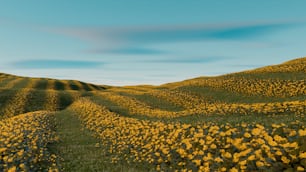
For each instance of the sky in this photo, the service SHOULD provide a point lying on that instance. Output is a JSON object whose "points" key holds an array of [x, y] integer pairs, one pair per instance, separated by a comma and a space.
{"points": [[131, 42]]}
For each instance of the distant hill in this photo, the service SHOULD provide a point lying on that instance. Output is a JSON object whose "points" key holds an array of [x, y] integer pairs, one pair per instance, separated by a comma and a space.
{"points": [[24, 94], [286, 81], [290, 70]]}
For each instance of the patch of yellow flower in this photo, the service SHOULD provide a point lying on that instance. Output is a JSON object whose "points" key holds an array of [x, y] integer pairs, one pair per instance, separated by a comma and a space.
{"points": [[171, 146], [16, 104], [136, 107], [23, 142], [52, 100]]}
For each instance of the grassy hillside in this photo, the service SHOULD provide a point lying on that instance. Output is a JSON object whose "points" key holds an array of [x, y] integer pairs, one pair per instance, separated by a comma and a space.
{"points": [[247, 121], [21, 94]]}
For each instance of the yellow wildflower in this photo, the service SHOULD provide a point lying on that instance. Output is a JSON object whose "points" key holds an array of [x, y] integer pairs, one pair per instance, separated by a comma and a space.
{"points": [[285, 159], [259, 164], [300, 168], [233, 169], [302, 132], [302, 155], [247, 135]]}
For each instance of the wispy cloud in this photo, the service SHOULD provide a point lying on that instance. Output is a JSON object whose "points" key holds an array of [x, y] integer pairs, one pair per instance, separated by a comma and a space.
{"points": [[189, 60], [55, 64], [202, 33], [121, 39], [128, 50]]}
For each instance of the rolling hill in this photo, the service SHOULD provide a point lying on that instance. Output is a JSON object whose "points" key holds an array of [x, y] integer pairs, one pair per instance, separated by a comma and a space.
{"points": [[246, 121]]}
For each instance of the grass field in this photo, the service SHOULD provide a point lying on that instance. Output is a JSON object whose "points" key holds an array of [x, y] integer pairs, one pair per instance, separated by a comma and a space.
{"points": [[247, 121]]}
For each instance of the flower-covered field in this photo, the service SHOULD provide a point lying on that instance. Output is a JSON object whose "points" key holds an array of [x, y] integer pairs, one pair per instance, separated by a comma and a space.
{"points": [[248, 121], [201, 147], [195, 107], [23, 142]]}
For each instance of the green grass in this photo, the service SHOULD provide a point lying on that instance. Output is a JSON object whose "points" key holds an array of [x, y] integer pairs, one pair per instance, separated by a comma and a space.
{"points": [[5, 81], [58, 85], [35, 101], [221, 95], [41, 84], [5, 96], [73, 85], [203, 118], [98, 87], [236, 119], [155, 102], [65, 99], [78, 151], [85, 86], [113, 107], [271, 75], [22, 83]]}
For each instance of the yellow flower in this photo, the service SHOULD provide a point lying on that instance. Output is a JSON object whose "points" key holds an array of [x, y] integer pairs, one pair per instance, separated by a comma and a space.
{"points": [[292, 133], [256, 131], [236, 157], [3, 150], [251, 158], [20, 153], [12, 169], [302, 132], [22, 166], [242, 163], [279, 153], [218, 159], [213, 146], [285, 159], [272, 143], [243, 167], [279, 138], [300, 168], [223, 169], [202, 142], [233, 169], [302, 155], [247, 135], [197, 162], [227, 155], [222, 134], [294, 145], [259, 164]]}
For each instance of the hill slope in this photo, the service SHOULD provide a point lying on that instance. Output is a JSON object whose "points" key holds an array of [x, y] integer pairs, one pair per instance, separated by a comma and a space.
{"points": [[21, 94], [252, 120]]}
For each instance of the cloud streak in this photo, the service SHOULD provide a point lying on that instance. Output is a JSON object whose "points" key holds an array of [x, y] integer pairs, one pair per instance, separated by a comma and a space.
{"points": [[191, 60], [133, 40], [56, 64], [128, 51]]}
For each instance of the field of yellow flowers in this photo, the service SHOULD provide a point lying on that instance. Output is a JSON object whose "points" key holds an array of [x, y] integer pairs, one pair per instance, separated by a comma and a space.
{"points": [[248, 121], [201, 147], [23, 142]]}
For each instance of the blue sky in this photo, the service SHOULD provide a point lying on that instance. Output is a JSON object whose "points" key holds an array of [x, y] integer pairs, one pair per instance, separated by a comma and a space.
{"points": [[128, 42]]}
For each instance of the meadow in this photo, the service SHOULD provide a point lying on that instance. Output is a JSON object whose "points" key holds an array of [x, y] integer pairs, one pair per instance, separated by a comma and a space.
{"points": [[246, 121]]}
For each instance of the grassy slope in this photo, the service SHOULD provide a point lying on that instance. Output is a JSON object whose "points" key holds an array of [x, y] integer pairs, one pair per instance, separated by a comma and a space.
{"points": [[80, 150], [67, 90], [275, 72], [223, 95], [37, 90], [77, 146]]}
